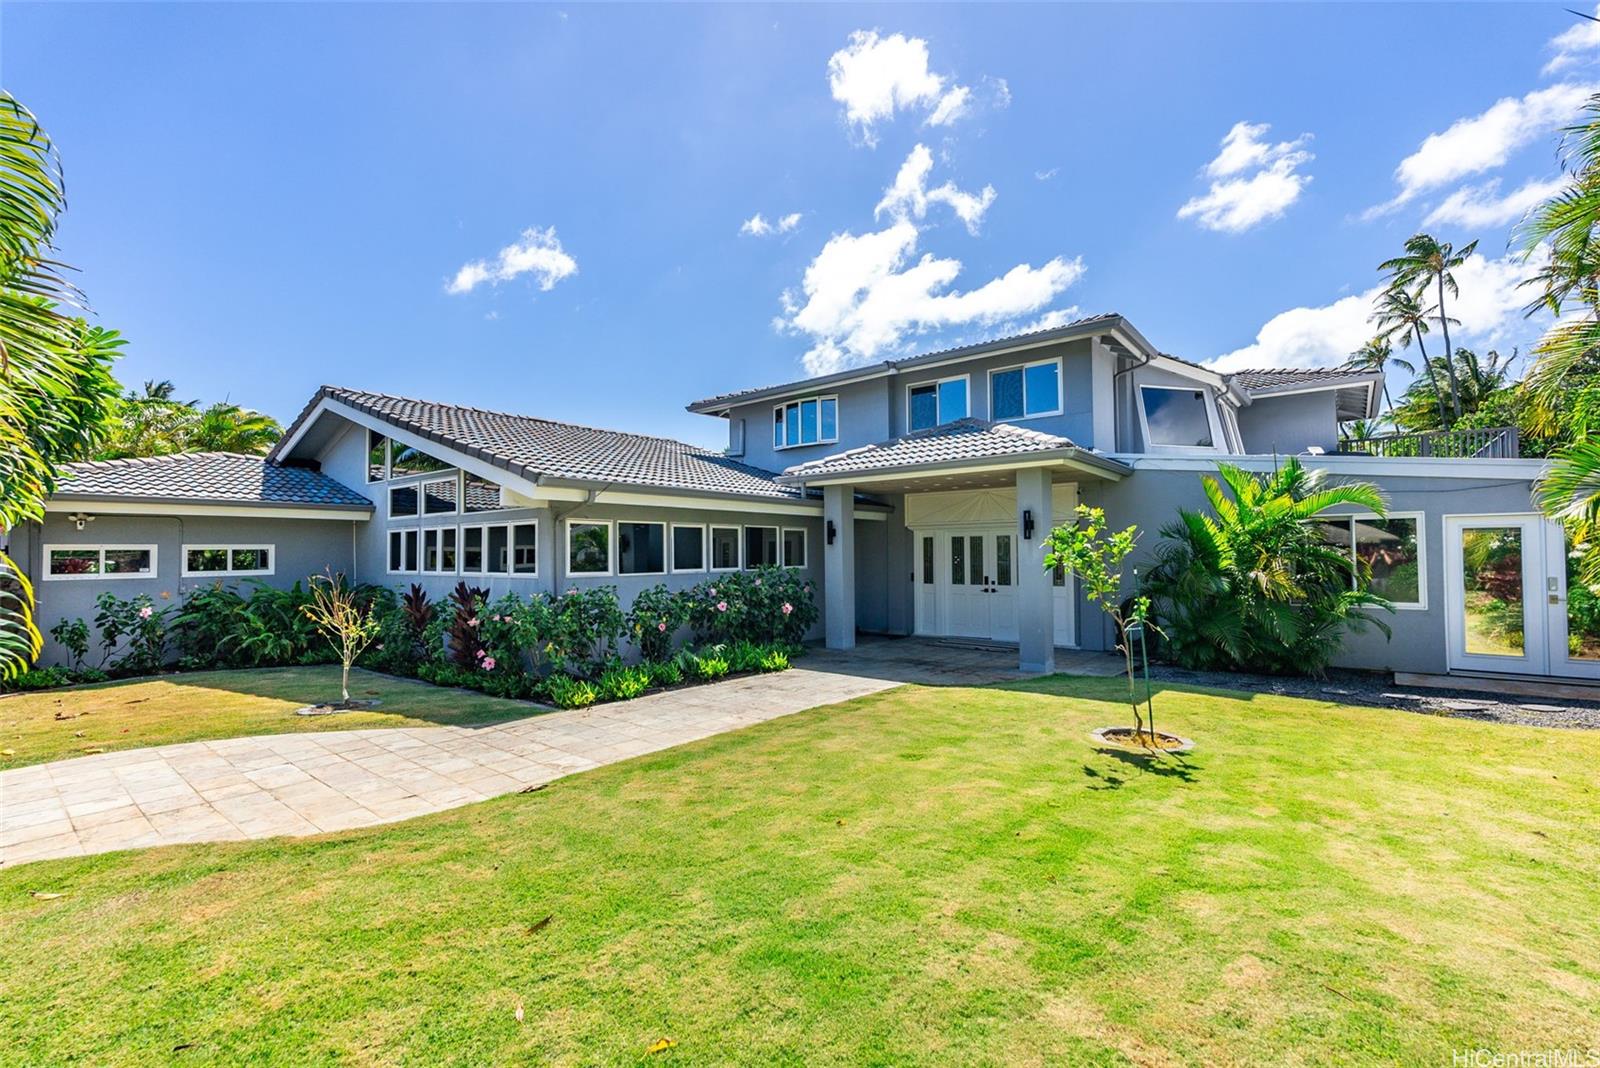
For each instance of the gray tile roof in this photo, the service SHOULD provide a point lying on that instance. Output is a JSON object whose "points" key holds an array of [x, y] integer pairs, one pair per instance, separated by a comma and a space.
{"points": [[210, 477], [1271, 377], [542, 448], [1065, 330], [952, 443]]}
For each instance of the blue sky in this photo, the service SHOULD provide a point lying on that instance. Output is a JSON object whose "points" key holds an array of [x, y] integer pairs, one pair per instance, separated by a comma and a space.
{"points": [[265, 198]]}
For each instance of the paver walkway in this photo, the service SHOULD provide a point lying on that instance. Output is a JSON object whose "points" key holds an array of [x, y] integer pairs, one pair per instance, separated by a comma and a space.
{"points": [[296, 784]]}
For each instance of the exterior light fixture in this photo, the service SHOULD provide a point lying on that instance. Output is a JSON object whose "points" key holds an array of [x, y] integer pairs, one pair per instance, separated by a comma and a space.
{"points": [[1027, 524], [832, 531]]}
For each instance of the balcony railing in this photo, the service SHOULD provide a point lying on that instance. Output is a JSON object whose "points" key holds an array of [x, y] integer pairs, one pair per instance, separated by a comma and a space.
{"points": [[1476, 443]]}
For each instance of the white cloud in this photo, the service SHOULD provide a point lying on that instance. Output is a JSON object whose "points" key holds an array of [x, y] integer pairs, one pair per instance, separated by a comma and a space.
{"points": [[875, 76], [1045, 176], [1237, 200], [910, 196], [538, 253], [1574, 45], [758, 226], [1489, 308], [1482, 142], [863, 295], [1481, 206], [1051, 319]]}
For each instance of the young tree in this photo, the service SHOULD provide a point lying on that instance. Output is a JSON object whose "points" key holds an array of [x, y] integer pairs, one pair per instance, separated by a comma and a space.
{"points": [[1087, 549], [348, 625]]}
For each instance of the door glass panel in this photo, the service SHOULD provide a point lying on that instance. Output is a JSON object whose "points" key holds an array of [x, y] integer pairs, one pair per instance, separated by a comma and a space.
{"points": [[1002, 559], [1491, 564], [958, 561], [1583, 612], [975, 560], [927, 561]]}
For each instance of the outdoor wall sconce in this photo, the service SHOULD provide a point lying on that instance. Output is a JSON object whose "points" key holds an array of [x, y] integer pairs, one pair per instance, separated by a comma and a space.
{"points": [[1027, 524], [832, 531]]}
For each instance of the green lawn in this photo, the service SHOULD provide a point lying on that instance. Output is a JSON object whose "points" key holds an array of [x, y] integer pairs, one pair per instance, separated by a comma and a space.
{"points": [[222, 704], [938, 876]]}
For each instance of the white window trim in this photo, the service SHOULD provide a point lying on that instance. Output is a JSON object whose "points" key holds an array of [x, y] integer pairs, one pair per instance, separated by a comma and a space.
{"points": [[422, 497], [738, 547], [1061, 391], [511, 550], [388, 504], [819, 398], [1212, 421], [422, 551], [777, 543], [705, 548], [461, 496], [611, 548], [616, 549], [805, 546], [938, 407], [102, 573], [271, 568], [417, 541], [1420, 518], [384, 476], [483, 547]]}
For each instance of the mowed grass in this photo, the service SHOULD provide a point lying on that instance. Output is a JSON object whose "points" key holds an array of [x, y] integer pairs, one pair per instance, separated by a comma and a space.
{"points": [[938, 876], [222, 704]]}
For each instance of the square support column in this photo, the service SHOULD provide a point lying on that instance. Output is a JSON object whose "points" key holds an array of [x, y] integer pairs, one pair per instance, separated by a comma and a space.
{"points": [[839, 566], [1035, 601]]}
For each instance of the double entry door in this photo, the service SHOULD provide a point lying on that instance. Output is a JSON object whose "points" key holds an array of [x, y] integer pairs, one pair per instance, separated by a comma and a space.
{"points": [[1514, 600], [982, 594]]}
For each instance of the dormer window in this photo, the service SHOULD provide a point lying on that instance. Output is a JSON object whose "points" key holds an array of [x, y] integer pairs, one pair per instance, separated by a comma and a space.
{"points": [[812, 421], [1176, 417], [933, 404]]}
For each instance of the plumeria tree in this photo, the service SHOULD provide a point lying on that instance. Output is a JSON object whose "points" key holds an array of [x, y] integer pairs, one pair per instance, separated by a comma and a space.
{"points": [[1093, 552], [342, 617]]}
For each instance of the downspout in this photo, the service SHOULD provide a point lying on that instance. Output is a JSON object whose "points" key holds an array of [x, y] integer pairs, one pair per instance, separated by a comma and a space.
{"points": [[558, 574]]}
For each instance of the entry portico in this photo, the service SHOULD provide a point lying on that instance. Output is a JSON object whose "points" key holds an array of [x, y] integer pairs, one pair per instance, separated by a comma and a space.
{"points": [[978, 501]]}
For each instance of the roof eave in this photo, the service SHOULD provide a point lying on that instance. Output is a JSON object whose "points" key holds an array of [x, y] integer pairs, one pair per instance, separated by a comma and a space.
{"points": [[1071, 457]]}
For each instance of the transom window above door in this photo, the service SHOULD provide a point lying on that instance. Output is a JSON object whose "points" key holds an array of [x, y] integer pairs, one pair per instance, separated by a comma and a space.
{"points": [[1025, 392], [812, 421], [933, 404]]}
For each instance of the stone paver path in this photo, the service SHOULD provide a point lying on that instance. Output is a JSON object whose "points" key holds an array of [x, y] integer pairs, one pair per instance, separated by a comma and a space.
{"points": [[295, 784]]}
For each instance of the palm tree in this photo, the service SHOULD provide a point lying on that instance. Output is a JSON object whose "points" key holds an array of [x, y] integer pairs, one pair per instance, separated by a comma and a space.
{"points": [[56, 387], [225, 427], [1400, 312], [1375, 356], [1429, 260]]}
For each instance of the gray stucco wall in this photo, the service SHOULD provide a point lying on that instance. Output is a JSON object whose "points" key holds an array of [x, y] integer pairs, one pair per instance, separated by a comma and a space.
{"points": [[304, 547], [1151, 499], [1287, 425], [883, 572]]}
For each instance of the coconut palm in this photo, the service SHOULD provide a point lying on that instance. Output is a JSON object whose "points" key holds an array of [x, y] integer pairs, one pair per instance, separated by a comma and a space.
{"points": [[55, 380], [1429, 261], [1399, 313], [1376, 355], [225, 427]]}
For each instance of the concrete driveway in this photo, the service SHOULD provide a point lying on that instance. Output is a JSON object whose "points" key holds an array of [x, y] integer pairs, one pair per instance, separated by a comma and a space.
{"points": [[299, 784]]}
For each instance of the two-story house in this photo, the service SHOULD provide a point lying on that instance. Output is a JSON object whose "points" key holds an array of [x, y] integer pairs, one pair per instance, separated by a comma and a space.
{"points": [[918, 491]]}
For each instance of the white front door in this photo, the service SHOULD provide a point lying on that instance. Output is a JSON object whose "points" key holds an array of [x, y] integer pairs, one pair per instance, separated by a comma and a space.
{"points": [[968, 593], [1513, 600], [967, 584]]}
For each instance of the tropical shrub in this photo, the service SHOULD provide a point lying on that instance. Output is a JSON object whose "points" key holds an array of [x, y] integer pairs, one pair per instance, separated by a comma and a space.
{"points": [[1253, 586], [564, 691], [43, 678], [73, 636], [218, 627], [619, 682], [465, 645], [584, 629], [664, 672], [769, 604], [773, 660], [710, 664], [135, 627], [654, 617]]}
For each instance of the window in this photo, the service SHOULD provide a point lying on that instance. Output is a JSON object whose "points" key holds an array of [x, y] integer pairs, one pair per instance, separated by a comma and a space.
{"points": [[402, 501], [405, 460], [688, 548], [227, 559], [495, 558], [811, 421], [641, 548], [377, 456], [479, 494], [724, 548], [472, 550], [439, 550], [1391, 548], [588, 548], [760, 546], [402, 551], [936, 403], [439, 498], [927, 560], [794, 547], [100, 561], [735, 437], [1176, 417], [1025, 392], [524, 549]]}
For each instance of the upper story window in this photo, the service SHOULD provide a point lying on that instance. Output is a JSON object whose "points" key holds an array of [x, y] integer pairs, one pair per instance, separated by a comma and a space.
{"points": [[479, 494], [812, 421], [1176, 417], [377, 456], [936, 403], [1025, 392], [404, 460]]}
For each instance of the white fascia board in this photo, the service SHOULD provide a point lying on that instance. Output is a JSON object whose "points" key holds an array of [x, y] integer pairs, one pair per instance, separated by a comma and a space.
{"points": [[714, 504], [1394, 467], [899, 474], [68, 505]]}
